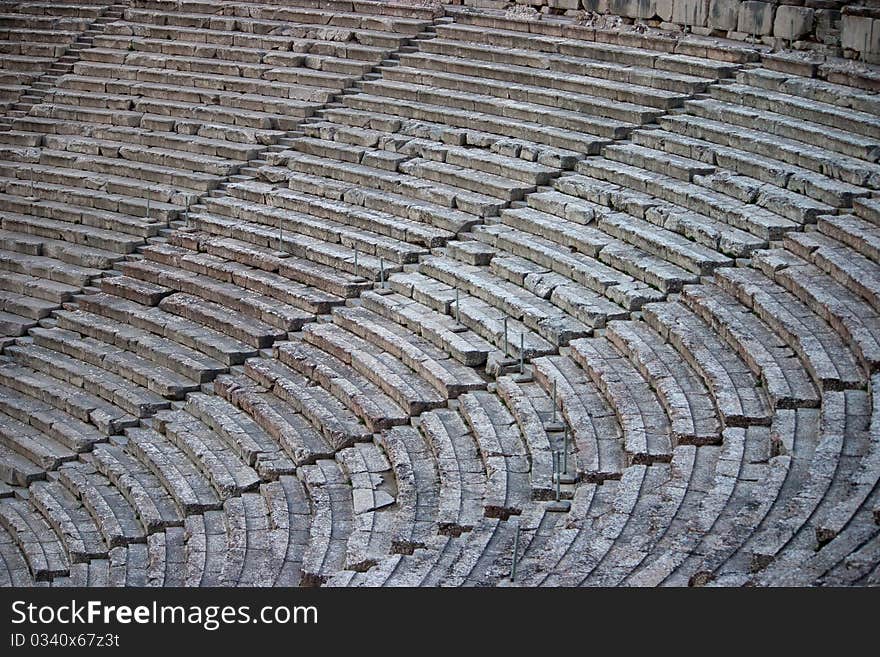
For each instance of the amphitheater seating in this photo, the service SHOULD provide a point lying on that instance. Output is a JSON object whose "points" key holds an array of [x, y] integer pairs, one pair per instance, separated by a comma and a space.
{"points": [[334, 293]]}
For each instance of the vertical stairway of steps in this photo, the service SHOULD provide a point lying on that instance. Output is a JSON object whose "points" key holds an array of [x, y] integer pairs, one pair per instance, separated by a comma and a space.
{"points": [[62, 65], [252, 170]]}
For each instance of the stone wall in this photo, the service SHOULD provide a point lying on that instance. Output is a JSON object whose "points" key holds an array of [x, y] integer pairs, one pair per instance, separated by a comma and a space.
{"points": [[833, 27]]}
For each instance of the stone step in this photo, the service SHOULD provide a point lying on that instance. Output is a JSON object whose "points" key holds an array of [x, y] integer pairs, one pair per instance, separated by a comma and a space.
{"points": [[645, 425]]}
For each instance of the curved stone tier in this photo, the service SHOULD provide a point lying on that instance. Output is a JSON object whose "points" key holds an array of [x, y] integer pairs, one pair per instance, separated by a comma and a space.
{"points": [[332, 293]]}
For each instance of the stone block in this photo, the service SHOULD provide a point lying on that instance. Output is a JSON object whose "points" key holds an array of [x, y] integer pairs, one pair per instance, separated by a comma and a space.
{"points": [[793, 22], [663, 9], [690, 12], [632, 8], [723, 14], [860, 33], [755, 18], [599, 6]]}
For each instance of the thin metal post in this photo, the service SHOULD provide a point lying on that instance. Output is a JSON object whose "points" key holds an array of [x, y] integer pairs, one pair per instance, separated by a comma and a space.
{"points": [[382, 272], [565, 451], [556, 473], [522, 358], [515, 555], [554, 401], [355, 260], [457, 308], [505, 337], [148, 207]]}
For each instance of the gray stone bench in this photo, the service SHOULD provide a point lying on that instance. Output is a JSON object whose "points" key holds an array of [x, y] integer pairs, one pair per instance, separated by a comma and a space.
{"points": [[222, 262], [413, 393], [31, 444], [332, 520], [562, 72], [41, 547], [841, 262], [38, 49], [646, 429], [438, 328], [678, 138], [289, 517], [422, 216], [789, 103], [595, 431], [53, 423], [714, 123], [687, 402], [147, 495], [17, 470], [782, 374], [461, 471], [787, 535], [169, 353], [418, 486], [264, 309], [480, 107], [536, 313], [735, 390], [828, 359], [190, 490], [137, 369], [70, 520], [157, 173], [606, 279], [109, 419], [241, 434], [595, 98], [503, 451], [811, 89], [756, 220], [229, 251], [114, 185], [772, 117], [695, 227], [182, 85], [405, 106], [249, 532], [59, 230], [116, 212], [12, 303], [116, 519], [440, 193], [374, 521], [358, 393], [109, 386], [349, 120], [477, 315], [292, 430], [669, 246], [229, 475], [861, 235], [302, 247], [359, 212], [367, 241], [162, 155], [435, 366], [531, 408], [853, 318], [340, 427]]}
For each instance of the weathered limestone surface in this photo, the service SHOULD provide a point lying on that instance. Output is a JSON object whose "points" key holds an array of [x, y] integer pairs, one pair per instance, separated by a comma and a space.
{"points": [[332, 293]]}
